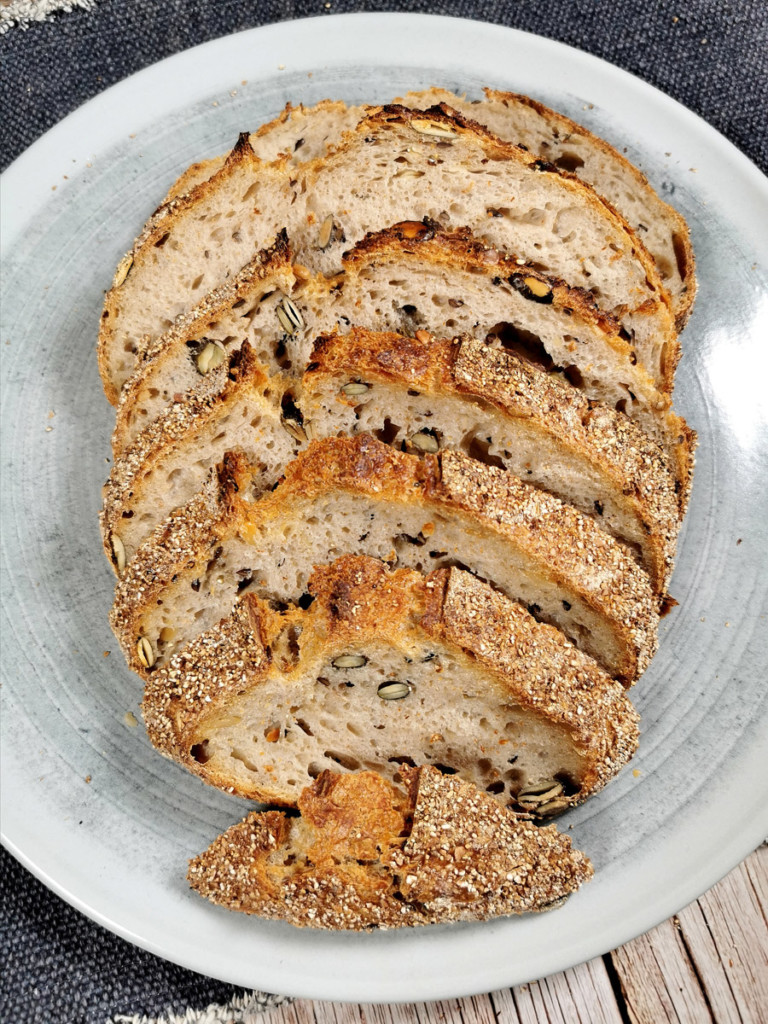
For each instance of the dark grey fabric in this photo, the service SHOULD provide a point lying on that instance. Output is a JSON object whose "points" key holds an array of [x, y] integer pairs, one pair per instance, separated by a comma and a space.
{"points": [[709, 54]]}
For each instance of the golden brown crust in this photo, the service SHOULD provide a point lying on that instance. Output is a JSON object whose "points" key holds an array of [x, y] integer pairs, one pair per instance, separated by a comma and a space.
{"points": [[364, 855], [566, 547], [359, 599], [590, 431]]}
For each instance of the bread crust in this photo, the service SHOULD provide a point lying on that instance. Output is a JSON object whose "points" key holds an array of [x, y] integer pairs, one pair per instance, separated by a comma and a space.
{"points": [[370, 856], [358, 598], [617, 448], [566, 547]]}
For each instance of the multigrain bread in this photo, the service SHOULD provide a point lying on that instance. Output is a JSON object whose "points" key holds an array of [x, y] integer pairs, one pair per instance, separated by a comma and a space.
{"points": [[366, 854], [397, 164], [386, 669], [570, 146], [297, 133], [410, 277], [418, 394], [357, 494], [524, 122]]}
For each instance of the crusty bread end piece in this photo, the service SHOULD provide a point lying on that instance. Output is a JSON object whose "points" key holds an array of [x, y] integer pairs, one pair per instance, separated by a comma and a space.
{"points": [[364, 855]]}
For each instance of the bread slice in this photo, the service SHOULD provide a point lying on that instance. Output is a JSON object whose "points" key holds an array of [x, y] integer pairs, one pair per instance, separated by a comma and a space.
{"points": [[571, 147], [357, 495], [411, 277], [418, 394], [397, 164], [299, 134], [365, 854], [265, 701], [525, 122]]}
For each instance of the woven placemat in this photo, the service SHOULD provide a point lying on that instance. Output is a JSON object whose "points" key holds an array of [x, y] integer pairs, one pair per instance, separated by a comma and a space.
{"points": [[60, 968]]}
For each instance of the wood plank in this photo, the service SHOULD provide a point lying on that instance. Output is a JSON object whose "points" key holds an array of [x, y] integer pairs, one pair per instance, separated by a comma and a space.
{"points": [[658, 979], [581, 995], [735, 915]]}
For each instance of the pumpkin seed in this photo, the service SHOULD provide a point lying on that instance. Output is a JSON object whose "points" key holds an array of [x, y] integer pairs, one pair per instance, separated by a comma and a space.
{"points": [[211, 356], [145, 653], [349, 661], [542, 793], [393, 690], [123, 267], [289, 316], [295, 429], [324, 236], [355, 388], [424, 442], [118, 550], [434, 128]]}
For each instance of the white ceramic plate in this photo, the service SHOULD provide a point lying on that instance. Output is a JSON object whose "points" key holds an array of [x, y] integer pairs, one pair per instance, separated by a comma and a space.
{"points": [[87, 804]]}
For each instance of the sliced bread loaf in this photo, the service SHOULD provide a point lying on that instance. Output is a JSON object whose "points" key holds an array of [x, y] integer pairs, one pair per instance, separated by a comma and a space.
{"points": [[365, 854], [386, 669], [418, 394], [357, 495], [572, 147], [411, 277], [396, 164]]}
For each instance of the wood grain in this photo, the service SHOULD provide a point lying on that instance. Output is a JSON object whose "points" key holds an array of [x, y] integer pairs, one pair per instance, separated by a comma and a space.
{"points": [[708, 964]]}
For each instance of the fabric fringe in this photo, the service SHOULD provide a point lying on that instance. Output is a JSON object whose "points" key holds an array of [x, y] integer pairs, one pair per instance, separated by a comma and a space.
{"points": [[244, 1009], [21, 13]]}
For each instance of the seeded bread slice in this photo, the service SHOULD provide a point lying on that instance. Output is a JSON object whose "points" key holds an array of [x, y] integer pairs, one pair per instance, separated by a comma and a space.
{"points": [[410, 277], [573, 148], [365, 854], [387, 669], [418, 394], [396, 164], [298, 133], [357, 495]]}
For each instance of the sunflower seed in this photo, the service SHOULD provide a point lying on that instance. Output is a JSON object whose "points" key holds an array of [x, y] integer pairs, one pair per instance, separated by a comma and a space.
{"points": [[145, 653], [355, 388], [289, 316], [543, 792], [211, 356], [123, 267], [409, 174], [349, 661], [552, 807], [118, 550], [424, 442], [434, 128], [393, 690], [326, 230]]}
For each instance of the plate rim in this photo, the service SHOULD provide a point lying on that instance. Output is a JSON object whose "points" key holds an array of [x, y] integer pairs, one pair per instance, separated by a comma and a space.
{"points": [[14, 178]]}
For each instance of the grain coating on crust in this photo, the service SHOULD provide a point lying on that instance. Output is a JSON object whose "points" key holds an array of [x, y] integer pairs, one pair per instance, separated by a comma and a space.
{"points": [[565, 547], [590, 431], [442, 852], [213, 399], [359, 599]]}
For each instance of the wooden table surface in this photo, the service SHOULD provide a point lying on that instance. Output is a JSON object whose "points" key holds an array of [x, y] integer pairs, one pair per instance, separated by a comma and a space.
{"points": [[709, 963]]}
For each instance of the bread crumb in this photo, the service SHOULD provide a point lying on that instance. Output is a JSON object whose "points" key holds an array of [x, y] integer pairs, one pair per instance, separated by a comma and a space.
{"points": [[738, 542], [48, 430], [130, 719], [281, 67], [87, 778], [244, 82], [51, 414], [105, 654], [727, 624], [636, 772]]}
